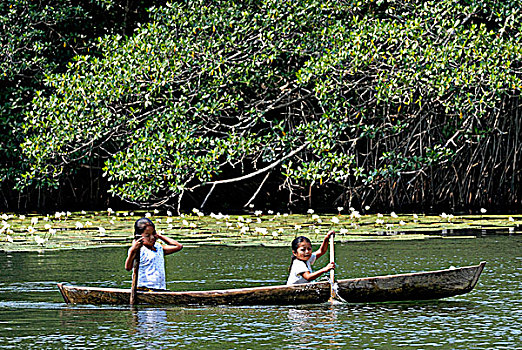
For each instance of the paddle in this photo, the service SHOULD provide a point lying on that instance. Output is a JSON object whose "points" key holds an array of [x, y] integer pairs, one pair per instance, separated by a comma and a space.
{"points": [[332, 273], [134, 285]]}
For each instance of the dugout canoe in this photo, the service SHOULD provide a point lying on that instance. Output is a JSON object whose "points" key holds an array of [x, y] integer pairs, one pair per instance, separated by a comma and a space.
{"points": [[411, 286]]}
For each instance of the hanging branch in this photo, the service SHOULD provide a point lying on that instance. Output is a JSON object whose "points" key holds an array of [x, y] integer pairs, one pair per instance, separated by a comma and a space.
{"points": [[255, 173]]}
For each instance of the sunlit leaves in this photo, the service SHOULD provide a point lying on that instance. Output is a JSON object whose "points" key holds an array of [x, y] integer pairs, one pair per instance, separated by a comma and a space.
{"points": [[374, 90]]}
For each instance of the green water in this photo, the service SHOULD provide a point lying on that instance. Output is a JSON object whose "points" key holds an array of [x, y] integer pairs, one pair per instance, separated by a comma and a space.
{"points": [[33, 315]]}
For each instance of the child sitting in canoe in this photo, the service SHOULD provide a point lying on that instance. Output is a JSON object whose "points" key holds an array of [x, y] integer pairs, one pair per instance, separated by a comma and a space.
{"points": [[303, 258], [151, 273]]}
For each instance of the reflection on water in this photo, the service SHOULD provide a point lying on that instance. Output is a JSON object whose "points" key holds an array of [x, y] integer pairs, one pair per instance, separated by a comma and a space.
{"points": [[34, 316], [150, 321], [303, 319]]}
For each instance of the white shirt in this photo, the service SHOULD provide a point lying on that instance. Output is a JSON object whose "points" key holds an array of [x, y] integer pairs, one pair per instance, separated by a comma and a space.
{"points": [[152, 268], [297, 269]]}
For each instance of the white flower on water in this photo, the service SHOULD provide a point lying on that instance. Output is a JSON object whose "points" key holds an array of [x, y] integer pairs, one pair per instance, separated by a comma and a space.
{"points": [[52, 231], [379, 215], [275, 234], [415, 216], [251, 206], [131, 213], [83, 212], [258, 220], [258, 212], [270, 212], [248, 220], [168, 220], [315, 217], [483, 211], [355, 215], [317, 231], [31, 230], [297, 227], [511, 219], [185, 223], [340, 209], [101, 231], [156, 211], [79, 225], [379, 221], [443, 215], [112, 221], [5, 217], [310, 211], [285, 215], [367, 207], [244, 229], [22, 217], [88, 223], [261, 230], [240, 219], [10, 239], [39, 240], [402, 223], [343, 231], [393, 215], [169, 213], [110, 211], [335, 220], [148, 215]]}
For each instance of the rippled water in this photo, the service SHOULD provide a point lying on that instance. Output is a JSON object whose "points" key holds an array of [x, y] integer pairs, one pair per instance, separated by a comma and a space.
{"points": [[33, 315]]}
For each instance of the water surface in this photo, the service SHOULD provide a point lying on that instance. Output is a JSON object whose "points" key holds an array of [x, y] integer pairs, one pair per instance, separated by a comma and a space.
{"points": [[33, 315]]}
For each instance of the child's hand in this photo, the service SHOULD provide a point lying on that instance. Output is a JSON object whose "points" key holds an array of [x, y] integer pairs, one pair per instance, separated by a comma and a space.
{"points": [[329, 234], [329, 267], [137, 244]]}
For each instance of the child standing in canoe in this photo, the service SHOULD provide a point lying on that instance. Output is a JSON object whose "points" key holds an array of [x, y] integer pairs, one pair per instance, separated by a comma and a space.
{"points": [[303, 258], [151, 274]]}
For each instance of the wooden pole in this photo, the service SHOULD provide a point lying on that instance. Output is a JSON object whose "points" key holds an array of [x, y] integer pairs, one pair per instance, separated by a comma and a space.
{"points": [[134, 285], [332, 272]]}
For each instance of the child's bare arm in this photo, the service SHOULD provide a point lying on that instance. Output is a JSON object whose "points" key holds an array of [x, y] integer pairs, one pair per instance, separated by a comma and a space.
{"points": [[310, 276], [172, 245], [133, 250], [324, 246]]}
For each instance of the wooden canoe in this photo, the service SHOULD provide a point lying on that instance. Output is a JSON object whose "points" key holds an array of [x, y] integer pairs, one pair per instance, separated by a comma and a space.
{"points": [[410, 286]]}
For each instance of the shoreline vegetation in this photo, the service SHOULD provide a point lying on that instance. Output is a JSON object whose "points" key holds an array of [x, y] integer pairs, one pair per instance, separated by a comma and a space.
{"points": [[179, 104], [77, 230]]}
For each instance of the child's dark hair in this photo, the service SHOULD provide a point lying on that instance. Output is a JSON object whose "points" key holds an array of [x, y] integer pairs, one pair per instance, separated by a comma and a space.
{"points": [[295, 245], [140, 225]]}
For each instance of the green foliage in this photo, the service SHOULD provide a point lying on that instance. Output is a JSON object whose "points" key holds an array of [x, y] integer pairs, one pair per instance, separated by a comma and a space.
{"points": [[375, 91]]}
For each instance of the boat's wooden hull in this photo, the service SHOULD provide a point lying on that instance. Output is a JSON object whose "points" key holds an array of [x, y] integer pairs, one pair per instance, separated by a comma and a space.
{"points": [[412, 286]]}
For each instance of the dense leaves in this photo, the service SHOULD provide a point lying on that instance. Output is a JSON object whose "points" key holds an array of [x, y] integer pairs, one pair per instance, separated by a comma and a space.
{"points": [[380, 99], [37, 38]]}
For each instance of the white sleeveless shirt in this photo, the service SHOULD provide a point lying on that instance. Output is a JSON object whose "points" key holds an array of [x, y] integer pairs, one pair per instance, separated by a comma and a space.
{"points": [[152, 268]]}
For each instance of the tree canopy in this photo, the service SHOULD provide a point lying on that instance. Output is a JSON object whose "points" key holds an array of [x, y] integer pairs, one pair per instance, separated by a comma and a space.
{"points": [[389, 102]]}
